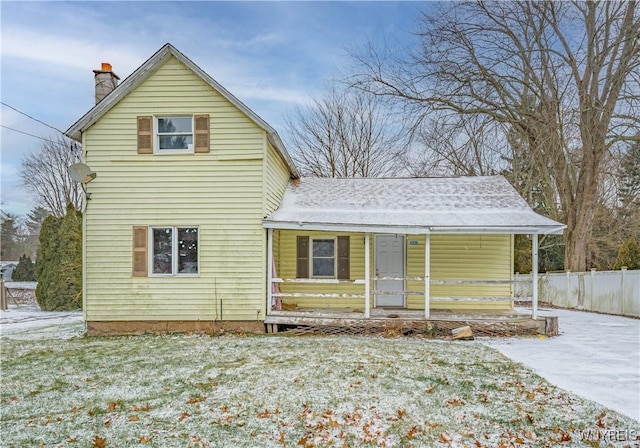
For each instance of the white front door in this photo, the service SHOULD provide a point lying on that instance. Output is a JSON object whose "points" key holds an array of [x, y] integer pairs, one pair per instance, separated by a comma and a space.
{"points": [[389, 262]]}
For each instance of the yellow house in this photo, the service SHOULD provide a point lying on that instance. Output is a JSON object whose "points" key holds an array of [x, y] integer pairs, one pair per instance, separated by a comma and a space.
{"points": [[173, 236], [197, 219], [370, 248]]}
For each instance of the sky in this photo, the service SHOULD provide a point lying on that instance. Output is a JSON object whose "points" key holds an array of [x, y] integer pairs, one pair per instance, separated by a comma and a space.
{"points": [[273, 56]]}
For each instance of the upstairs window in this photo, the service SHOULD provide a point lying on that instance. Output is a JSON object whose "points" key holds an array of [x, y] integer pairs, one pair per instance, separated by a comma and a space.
{"points": [[174, 134], [167, 134]]}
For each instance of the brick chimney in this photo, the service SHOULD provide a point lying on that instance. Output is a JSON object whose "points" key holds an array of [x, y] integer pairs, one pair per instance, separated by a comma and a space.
{"points": [[106, 81]]}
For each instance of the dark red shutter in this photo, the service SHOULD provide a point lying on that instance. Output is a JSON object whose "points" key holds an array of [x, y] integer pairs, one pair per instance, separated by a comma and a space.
{"points": [[344, 272], [302, 256]]}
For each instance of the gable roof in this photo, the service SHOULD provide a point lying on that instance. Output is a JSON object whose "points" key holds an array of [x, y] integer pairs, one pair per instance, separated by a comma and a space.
{"points": [[417, 205], [147, 69]]}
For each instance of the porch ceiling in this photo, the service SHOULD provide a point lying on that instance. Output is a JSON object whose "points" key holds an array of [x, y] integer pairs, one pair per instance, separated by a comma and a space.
{"points": [[413, 205]]}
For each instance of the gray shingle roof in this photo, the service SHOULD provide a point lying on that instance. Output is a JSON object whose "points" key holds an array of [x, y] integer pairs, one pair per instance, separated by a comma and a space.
{"points": [[456, 205]]}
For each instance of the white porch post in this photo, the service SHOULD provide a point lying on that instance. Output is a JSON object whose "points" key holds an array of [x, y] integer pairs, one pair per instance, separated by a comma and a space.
{"points": [[534, 275], [427, 273], [367, 276], [269, 270]]}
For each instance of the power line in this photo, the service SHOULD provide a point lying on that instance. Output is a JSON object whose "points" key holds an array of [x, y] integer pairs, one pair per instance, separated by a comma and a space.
{"points": [[26, 133], [34, 119]]}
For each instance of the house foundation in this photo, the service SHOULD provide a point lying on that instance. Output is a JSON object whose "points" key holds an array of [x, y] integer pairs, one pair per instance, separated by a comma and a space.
{"points": [[138, 327]]}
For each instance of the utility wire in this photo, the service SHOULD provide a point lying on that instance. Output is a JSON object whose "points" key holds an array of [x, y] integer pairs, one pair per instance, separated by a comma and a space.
{"points": [[34, 119], [26, 133]]}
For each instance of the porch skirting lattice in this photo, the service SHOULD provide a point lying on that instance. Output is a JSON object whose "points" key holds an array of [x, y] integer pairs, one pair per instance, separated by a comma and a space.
{"points": [[419, 329]]}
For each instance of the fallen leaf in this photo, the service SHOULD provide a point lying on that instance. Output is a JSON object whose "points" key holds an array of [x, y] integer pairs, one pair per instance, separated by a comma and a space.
{"points": [[454, 402], [412, 432], [112, 406], [107, 423], [565, 437], [199, 399], [529, 418], [183, 416], [264, 414], [429, 390], [99, 442], [401, 413], [281, 438], [444, 437], [134, 418], [531, 395], [144, 439]]}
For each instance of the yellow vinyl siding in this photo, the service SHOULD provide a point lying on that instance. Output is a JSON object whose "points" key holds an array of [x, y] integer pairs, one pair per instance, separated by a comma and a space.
{"points": [[286, 268], [276, 178], [221, 192], [453, 257], [462, 257]]}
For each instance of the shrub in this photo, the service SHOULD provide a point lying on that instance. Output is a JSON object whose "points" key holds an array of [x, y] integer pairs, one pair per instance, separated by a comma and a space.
{"points": [[25, 271], [59, 267], [628, 255]]}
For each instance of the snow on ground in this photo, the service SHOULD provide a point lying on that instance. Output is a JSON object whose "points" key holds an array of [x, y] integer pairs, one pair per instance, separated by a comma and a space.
{"points": [[29, 322], [596, 356], [20, 285]]}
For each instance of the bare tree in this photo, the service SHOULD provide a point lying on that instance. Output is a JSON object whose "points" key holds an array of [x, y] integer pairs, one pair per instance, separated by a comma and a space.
{"points": [[344, 134], [562, 77], [456, 145], [44, 174]]}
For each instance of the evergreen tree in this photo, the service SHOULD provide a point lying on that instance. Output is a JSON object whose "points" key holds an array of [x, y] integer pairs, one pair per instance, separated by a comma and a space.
{"points": [[629, 255], [10, 238], [32, 224], [25, 271], [59, 267]]}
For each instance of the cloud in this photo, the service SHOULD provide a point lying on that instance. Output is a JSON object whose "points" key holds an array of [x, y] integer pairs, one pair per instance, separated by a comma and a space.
{"points": [[74, 56]]}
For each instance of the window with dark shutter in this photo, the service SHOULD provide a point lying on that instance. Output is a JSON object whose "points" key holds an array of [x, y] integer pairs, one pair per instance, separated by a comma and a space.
{"points": [[201, 133], [343, 258], [140, 251], [302, 256], [145, 135]]}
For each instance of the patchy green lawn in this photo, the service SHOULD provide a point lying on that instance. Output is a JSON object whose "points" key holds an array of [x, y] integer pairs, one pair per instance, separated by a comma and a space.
{"points": [[183, 391]]}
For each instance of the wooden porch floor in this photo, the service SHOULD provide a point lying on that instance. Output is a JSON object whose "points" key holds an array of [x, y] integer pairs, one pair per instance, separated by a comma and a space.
{"points": [[309, 315], [353, 321]]}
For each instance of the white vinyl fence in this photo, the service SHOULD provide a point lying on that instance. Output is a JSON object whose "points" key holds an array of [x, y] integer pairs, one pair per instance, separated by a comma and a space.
{"points": [[612, 292]]}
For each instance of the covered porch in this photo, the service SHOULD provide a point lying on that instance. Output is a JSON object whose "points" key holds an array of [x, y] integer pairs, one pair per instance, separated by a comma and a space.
{"points": [[394, 254]]}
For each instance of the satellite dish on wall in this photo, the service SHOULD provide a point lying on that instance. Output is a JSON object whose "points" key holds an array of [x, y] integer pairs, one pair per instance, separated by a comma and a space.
{"points": [[81, 173]]}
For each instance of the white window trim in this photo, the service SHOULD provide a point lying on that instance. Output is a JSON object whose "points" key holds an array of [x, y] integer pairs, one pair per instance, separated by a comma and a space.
{"points": [[174, 251], [156, 135], [335, 257]]}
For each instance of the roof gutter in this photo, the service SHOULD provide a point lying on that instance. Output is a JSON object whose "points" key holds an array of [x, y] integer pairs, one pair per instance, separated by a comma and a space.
{"points": [[376, 228]]}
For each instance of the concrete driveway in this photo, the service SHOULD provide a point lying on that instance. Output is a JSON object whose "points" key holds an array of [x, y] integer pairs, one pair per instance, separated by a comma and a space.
{"points": [[595, 356]]}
